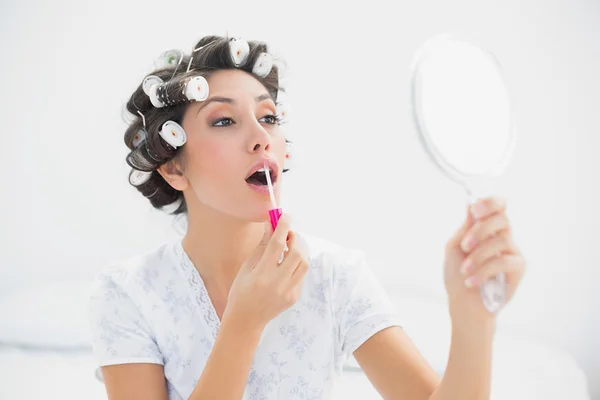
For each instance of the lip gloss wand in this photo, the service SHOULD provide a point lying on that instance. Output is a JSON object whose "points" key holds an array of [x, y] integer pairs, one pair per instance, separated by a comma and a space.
{"points": [[275, 212]]}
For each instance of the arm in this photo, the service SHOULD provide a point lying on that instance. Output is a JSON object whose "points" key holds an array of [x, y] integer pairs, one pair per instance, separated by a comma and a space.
{"points": [[392, 362], [224, 376], [398, 371], [395, 367], [469, 371], [135, 381], [226, 371]]}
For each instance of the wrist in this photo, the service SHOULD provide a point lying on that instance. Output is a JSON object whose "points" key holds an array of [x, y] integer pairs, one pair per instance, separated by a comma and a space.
{"points": [[470, 317], [473, 328], [239, 323]]}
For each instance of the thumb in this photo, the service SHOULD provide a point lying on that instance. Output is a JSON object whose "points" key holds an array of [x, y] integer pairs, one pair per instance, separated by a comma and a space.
{"points": [[462, 231]]}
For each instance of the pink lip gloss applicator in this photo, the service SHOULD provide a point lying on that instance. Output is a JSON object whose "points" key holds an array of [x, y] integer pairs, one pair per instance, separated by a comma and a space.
{"points": [[275, 212]]}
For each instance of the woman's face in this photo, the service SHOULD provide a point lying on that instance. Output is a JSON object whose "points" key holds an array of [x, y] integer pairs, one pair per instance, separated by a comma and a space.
{"points": [[229, 136]]}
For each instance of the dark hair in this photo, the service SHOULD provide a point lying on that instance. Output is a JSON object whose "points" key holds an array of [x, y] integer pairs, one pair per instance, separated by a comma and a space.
{"points": [[154, 151]]}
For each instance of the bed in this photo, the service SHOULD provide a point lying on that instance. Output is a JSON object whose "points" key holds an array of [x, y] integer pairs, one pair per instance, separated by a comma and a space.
{"points": [[45, 353], [69, 375]]}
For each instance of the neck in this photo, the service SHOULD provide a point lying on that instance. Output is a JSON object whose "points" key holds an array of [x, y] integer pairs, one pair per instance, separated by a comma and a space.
{"points": [[218, 244]]}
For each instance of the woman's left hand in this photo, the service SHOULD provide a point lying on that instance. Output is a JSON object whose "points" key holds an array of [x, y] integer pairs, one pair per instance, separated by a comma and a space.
{"points": [[479, 250]]}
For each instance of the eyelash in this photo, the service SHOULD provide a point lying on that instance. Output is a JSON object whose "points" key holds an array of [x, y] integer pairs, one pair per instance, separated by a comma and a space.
{"points": [[277, 119]]}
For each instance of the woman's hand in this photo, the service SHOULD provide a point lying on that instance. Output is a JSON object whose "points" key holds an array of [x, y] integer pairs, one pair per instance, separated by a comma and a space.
{"points": [[263, 288], [481, 248]]}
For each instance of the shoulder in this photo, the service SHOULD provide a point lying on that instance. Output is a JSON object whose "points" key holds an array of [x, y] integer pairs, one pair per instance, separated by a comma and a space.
{"points": [[120, 278], [122, 329], [333, 259]]}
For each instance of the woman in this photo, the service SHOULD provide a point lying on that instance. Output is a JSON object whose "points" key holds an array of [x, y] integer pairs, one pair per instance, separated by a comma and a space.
{"points": [[220, 314]]}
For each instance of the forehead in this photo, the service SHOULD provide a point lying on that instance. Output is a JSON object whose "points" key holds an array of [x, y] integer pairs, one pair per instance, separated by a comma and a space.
{"points": [[235, 84]]}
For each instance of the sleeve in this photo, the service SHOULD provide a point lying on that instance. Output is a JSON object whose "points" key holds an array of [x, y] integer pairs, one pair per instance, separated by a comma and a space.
{"points": [[120, 335], [361, 306]]}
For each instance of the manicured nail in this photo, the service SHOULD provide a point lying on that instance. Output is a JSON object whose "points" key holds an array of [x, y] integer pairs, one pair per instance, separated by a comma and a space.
{"points": [[470, 282], [468, 244], [501, 201], [466, 267], [480, 209]]}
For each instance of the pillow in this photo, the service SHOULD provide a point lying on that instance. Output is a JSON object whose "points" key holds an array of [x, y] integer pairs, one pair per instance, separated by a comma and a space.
{"points": [[52, 315]]}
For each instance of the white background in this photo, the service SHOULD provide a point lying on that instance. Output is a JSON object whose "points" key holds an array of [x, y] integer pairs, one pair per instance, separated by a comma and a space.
{"points": [[361, 177]]}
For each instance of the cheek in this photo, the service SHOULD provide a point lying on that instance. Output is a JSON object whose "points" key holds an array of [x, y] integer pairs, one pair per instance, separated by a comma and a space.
{"points": [[211, 159]]}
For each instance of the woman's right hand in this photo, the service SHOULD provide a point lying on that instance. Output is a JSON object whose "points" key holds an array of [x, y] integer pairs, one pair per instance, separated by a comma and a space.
{"points": [[263, 288]]}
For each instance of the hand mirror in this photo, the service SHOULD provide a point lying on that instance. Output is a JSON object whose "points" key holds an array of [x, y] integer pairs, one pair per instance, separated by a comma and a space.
{"points": [[464, 118]]}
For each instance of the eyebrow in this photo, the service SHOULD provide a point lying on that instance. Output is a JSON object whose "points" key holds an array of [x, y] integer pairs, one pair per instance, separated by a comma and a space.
{"points": [[227, 100]]}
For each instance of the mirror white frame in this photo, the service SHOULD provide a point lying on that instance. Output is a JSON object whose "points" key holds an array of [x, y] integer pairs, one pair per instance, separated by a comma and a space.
{"points": [[493, 291]]}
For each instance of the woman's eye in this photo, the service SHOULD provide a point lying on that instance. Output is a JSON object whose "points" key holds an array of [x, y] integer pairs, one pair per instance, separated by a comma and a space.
{"points": [[223, 122], [270, 119]]}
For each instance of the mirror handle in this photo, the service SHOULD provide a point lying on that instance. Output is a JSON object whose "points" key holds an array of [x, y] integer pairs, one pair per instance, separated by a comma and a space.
{"points": [[492, 291]]}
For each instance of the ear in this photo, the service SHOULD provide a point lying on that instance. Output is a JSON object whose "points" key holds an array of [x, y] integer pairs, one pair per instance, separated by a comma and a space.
{"points": [[171, 172]]}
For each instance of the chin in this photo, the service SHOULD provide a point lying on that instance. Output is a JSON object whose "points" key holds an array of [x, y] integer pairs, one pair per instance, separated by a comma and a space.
{"points": [[259, 213]]}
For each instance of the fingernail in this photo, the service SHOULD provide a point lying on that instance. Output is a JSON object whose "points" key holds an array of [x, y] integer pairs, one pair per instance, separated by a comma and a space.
{"points": [[470, 282], [466, 267], [480, 209], [468, 244], [501, 201]]}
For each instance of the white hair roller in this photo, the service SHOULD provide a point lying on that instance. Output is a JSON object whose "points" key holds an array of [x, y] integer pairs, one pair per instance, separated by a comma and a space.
{"points": [[239, 49], [150, 81], [170, 208], [156, 102], [263, 65], [197, 89], [173, 134], [283, 111], [169, 58], [288, 162], [136, 177], [139, 137]]}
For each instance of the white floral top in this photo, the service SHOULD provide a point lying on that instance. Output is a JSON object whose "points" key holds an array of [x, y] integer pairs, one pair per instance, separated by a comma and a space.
{"points": [[155, 309]]}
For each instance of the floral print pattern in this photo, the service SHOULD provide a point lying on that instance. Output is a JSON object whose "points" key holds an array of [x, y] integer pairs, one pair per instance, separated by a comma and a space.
{"points": [[154, 308]]}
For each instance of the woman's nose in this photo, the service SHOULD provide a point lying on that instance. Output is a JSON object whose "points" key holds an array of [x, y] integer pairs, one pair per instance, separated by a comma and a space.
{"points": [[259, 139]]}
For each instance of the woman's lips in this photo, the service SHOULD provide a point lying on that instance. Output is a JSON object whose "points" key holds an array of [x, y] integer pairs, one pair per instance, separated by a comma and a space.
{"points": [[261, 188], [272, 165]]}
